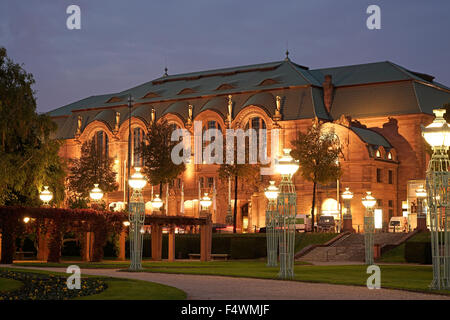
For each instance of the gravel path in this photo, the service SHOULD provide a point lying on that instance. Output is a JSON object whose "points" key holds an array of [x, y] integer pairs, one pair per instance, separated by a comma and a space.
{"points": [[228, 288]]}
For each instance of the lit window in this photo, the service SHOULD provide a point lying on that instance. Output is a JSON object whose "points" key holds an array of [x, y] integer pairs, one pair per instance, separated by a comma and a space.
{"points": [[212, 124], [100, 141], [257, 124], [390, 156], [138, 137], [378, 154]]}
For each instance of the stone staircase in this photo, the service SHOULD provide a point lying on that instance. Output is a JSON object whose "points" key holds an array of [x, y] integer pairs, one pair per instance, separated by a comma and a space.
{"points": [[350, 247]]}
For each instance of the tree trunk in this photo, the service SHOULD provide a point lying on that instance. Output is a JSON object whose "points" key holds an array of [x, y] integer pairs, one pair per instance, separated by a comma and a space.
{"points": [[235, 203], [313, 206]]}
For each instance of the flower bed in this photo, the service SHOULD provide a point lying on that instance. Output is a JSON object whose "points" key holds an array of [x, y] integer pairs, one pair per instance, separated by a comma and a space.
{"points": [[48, 287]]}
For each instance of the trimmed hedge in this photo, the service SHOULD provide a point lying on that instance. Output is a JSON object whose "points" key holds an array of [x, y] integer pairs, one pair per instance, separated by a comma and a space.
{"points": [[418, 252]]}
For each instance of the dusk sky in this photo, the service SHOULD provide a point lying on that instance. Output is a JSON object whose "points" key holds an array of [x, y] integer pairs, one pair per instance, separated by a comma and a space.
{"points": [[125, 43]]}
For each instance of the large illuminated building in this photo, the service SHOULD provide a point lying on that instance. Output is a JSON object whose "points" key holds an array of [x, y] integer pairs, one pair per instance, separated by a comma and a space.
{"points": [[376, 110]]}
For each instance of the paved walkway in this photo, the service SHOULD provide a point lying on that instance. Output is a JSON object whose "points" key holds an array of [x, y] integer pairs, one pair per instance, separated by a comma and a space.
{"points": [[228, 288]]}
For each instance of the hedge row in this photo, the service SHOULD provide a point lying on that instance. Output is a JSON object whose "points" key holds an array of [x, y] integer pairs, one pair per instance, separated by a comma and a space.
{"points": [[418, 252]]}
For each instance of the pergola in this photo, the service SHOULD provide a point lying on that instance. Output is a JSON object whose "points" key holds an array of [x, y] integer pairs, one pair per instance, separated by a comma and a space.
{"points": [[157, 223]]}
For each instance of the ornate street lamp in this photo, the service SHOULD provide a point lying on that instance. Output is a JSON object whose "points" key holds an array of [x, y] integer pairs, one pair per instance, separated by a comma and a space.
{"points": [[421, 194], [205, 203], [437, 134], [46, 196], [286, 166], [347, 195], [136, 216], [157, 203], [271, 193], [369, 203], [96, 194]]}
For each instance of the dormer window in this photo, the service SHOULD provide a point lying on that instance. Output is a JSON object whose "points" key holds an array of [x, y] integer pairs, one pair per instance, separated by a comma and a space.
{"points": [[268, 82], [151, 95], [378, 154], [225, 86], [389, 156], [114, 99], [186, 91]]}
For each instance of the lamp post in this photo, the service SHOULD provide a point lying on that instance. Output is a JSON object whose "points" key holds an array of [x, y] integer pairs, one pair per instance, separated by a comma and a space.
{"points": [[136, 216], [421, 194], [271, 194], [347, 195], [369, 203], [286, 166], [437, 134], [96, 193], [157, 203], [46, 196]]}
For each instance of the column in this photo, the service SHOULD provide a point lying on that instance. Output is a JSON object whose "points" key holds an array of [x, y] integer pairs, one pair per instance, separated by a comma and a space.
{"points": [[171, 249], [42, 254], [156, 242], [122, 238], [205, 240]]}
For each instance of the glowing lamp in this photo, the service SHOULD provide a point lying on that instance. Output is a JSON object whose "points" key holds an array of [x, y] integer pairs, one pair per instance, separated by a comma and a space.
{"points": [[96, 194], [46, 195], [206, 201], [378, 215], [272, 191], [26, 219], [437, 134], [157, 202], [137, 180], [369, 201], [347, 194], [421, 192], [286, 165], [126, 223]]}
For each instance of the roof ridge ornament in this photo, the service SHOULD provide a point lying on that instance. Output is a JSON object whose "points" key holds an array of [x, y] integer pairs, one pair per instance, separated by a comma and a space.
{"points": [[287, 56], [165, 72]]}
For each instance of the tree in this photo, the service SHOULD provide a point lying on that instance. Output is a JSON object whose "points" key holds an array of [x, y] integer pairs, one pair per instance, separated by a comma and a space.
{"points": [[246, 172], [318, 154], [156, 152], [91, 168], [28, 155]]}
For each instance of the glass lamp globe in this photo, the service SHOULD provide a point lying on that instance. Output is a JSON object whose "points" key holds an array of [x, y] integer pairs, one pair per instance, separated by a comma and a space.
{"points": [[137, 180], [157, 202], [347, 194], [437, 134], [126, 223], [272, 191], [46, 195], [96, 194], [369, 201], [286, 165], [26, 219], [206, 201], [421, 192]]}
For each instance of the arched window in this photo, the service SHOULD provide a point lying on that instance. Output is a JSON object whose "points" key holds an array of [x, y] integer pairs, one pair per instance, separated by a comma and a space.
{"points": [[138, 137], [212, 124], [257, 124], [100, 140]]}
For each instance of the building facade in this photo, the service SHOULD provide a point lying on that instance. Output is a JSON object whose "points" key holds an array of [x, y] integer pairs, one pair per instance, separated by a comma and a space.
{"points": [[375, 109]]}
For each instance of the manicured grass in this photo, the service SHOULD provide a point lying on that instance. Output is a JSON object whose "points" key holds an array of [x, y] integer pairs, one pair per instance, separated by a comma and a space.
{"points": [[406, 277], [120, 289], [304, 239], [9, 284]]}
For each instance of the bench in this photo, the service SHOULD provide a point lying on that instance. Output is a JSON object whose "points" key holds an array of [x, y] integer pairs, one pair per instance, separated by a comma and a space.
{"points": [[214, 256]]}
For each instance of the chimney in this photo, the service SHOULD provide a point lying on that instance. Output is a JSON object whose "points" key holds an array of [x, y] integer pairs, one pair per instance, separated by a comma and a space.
{"points": [[328, 92]]}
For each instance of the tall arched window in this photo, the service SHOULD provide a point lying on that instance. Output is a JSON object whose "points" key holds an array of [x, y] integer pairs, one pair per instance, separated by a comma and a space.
{"points": [[138, 137], [100, 141], [258, 124], [211, 124]]}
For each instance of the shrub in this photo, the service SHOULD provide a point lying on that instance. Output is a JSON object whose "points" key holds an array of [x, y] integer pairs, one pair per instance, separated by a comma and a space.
{"points": [[418, 252]]}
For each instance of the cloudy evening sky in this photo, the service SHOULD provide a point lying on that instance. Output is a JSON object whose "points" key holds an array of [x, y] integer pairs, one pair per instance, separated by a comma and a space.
{"points": [[124, 43]]}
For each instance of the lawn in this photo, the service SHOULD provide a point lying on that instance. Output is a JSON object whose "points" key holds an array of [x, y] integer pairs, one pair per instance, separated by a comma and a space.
{"points": [[118, 289], [397, 254], [406, 277]]}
